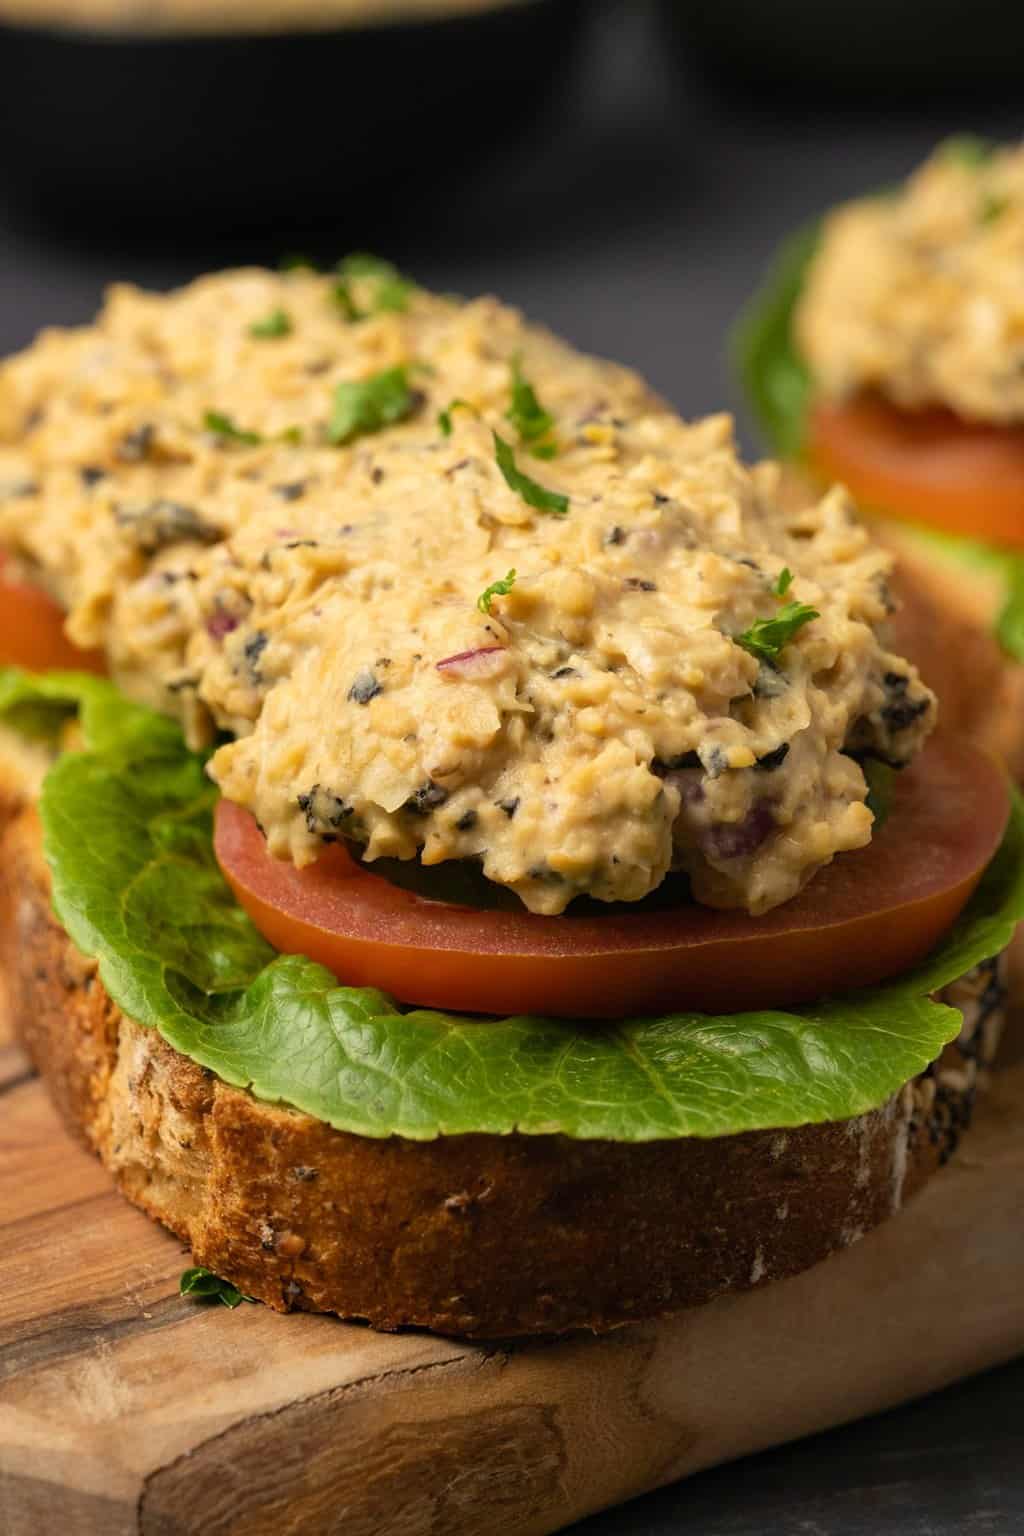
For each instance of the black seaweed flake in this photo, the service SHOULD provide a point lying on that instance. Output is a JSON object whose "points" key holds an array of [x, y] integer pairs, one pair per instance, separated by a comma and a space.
{"points": [[253, 650], [639, 584], [364, 687], [713, 760], [899, 712], [771, 682], [91, 474], [324, 812], [774, 759], [291, 490], [135, 445], [660, 766], [467, 821], [509, 807], [426, 799], [160, 523]]}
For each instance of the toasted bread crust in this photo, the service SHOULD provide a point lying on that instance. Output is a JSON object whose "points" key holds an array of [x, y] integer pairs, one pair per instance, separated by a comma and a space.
{"points": [[484, 1236]]}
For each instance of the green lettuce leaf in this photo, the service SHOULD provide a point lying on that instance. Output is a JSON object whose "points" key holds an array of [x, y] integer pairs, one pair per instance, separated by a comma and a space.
{"points": [[771, 370], [777, 385], [127, 823]]}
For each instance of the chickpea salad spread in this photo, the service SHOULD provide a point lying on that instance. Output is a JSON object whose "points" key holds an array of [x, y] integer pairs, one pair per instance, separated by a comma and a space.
{"points": [[451, 589], [918, 294]]}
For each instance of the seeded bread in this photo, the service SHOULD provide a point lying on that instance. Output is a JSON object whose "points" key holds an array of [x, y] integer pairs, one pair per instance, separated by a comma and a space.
{"points": [[477, 1235], [484, 1236]]}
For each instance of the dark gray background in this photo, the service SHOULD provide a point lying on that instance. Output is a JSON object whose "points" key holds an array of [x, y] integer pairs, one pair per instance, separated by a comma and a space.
{"points": [[635, 219]]}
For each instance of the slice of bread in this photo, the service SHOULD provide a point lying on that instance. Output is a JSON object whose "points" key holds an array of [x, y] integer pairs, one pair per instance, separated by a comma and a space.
{"points": [[491, 1236], [475, 1235]]}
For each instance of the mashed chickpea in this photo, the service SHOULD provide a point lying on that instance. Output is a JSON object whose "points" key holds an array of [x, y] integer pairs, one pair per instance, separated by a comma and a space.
{"points": [[919, 294], [257, 496]]}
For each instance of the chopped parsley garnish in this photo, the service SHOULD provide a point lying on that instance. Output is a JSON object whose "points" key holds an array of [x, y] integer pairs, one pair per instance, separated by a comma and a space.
{"points": [[291, 435], [296, 262], [204, 1285], [992, 208], [390, 292], [367, 405], [766, 638], [968, 149], [881, 782], [784, 582], [533, 494], [277, 323], [444, 418], [342, 295], [500, 588], [223, 427], [533, 423]]}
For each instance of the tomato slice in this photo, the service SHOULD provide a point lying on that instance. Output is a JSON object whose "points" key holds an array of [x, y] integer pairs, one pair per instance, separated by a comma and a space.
{"points": [[869, 915], [929, 466], [32, 630]]}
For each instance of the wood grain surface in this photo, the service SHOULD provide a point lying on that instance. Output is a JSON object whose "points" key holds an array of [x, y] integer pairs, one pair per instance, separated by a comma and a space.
{"points": [[125, 1409]]}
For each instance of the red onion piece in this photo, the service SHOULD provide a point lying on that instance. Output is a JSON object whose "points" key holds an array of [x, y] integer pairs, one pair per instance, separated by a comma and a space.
{"points": [[220, 624], [485, 661]]}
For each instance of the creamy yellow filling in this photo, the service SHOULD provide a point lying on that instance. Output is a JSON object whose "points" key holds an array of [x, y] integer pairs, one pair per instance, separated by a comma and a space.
{"points": [[920, 295], [596, 724]]}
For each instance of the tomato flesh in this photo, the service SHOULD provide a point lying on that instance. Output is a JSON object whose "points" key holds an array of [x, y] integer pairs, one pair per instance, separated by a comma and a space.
{"points": [[32, 630], [928, 466], [870, 915]]}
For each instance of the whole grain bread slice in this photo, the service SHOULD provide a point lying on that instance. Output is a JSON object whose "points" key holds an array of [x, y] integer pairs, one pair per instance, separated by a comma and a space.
{"points": [[484, 1236]]}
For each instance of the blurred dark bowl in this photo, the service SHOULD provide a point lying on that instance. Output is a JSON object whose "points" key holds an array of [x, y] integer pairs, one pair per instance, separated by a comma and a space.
{"points": [[890, 48], [242, 130]]}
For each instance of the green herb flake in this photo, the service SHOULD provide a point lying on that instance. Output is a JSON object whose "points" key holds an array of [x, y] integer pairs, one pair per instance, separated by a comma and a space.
{"points": [[533, 423], [444, 418], [500, 588], [223, 427], [784, 582], [968, 149], [390, 291], [767, 638], [277, 323], [362, 406], [533, 494], [881, 782], [341, 293], [992, 208], [294, 261], [205, 1286]]}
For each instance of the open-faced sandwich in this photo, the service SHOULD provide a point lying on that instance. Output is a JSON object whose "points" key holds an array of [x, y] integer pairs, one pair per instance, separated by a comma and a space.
{"points": [[886, 351], [507, 882]]}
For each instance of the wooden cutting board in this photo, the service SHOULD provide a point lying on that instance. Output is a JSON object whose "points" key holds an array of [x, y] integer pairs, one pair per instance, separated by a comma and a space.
{"points": [[124, 1409]]}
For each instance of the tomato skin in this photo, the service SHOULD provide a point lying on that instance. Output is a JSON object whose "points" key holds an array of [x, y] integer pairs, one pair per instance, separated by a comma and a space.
{"points": [[928, 466], [32, 631], [887, 906]]}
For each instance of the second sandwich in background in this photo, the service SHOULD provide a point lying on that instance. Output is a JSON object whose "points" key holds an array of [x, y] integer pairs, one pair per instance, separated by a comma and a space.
{"points": [[885, 351]]}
